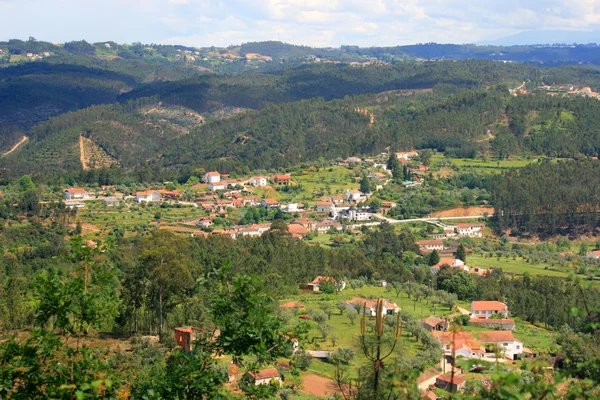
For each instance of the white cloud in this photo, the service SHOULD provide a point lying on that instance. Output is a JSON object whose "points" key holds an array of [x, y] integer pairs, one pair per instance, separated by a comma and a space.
{"points": [[312, 22]]}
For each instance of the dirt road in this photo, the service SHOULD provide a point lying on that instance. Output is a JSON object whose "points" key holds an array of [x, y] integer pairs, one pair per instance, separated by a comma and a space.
{"points": [[16, 146]]}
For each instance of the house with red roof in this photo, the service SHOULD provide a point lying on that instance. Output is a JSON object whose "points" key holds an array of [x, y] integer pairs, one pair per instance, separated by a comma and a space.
{"points": [[282, 179], [450, 383], [148, 196], [485, 309], [269, 203], [315, 285], [388, 307], [325, 206], [75, 194], [263, 377]]}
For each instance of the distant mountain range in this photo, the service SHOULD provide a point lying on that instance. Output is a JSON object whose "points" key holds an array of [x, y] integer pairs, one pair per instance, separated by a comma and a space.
{"points": [[545, 37]]}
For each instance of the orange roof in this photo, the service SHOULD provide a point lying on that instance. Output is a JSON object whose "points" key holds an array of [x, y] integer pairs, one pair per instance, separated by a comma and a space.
{"points": [[430, 242], [75, 190], [448, 378], [429, 395], [213, 173], [258, 177], [496, 336], [448, 337], [322, 278], [324, 203], [265, 373], [270, 201], [282, 177], [488, 306], [297, 229], [146, 193]]}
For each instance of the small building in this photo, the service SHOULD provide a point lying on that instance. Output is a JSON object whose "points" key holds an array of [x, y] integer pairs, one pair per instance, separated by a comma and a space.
{"points": [[327, 225], [354, 195], [433, 323], [111, 202], [211, 177], [449, 383], [325, 206], [485, 309], [306, 222], [149, 196], [355, 214], [185, 336], [205, 223], [406, 155], [75, 194], [510, 346], [337, 199], [431, 244], [315, 285], [269, 203], [282, 179], [214, 186], [470, 230], [258, 181], [595, 254], [388, 307], [263, 377]]}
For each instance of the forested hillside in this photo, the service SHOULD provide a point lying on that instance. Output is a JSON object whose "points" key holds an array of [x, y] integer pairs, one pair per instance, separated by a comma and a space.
{"points": [[549, 199]]}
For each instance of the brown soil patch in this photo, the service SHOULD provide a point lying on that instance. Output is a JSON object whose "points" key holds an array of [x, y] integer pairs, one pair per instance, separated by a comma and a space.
{"points": [[463, 212], [318, 386]]}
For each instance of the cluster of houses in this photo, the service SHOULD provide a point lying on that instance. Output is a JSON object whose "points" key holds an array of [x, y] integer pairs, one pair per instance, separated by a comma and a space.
{"points": [[473, 230], [494, 345], [490, 314]]}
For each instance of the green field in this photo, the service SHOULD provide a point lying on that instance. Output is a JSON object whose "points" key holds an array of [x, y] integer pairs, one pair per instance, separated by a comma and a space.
{"points": [[517, 266]]}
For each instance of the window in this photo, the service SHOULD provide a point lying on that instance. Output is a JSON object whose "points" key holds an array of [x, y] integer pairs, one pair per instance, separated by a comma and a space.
{"points": [[505, 344]]}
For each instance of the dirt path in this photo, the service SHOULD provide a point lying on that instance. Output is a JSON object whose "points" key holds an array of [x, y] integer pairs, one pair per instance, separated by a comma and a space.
{"points": [[82, 154], [318, 386], [16, 146], [152, 109], [367, 113]]}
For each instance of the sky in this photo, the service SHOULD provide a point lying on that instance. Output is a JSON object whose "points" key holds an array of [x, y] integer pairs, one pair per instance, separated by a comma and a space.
{"points": [[323, 23]]}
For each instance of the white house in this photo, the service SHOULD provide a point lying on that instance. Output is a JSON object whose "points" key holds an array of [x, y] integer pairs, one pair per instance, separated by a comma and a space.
{"points": [[388, 307], [353, 195], [269, 203], [218, 185], [486, 309], [355, 214], [593, 254], [75, 193], [211, 177], [149, 196], [263, 377], [204, 223], [258, 181], [431, 244], [505, 340], [325, 206], [470, 230], [452, 263]]}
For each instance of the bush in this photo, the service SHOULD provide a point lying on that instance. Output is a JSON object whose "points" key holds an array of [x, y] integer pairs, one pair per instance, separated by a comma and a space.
{"points": [[462, 320], [302, 360]]}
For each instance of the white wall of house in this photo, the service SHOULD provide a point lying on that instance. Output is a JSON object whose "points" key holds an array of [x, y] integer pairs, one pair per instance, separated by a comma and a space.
{"points": [[153, 197]]}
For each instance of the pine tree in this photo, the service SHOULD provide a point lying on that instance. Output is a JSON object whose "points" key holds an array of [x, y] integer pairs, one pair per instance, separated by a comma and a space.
{"points": [[434, 258], [461, 253]]}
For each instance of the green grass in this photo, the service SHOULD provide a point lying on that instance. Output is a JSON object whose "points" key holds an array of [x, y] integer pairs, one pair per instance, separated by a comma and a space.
{"points": [[533, 337], [517, 266]]}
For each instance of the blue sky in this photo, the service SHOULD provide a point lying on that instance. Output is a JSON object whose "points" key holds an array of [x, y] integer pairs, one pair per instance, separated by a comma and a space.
{"points": [[309, 22]]}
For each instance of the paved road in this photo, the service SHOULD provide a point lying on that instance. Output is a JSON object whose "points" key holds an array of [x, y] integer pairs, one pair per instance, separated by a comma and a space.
{"points": [[402, 221]]}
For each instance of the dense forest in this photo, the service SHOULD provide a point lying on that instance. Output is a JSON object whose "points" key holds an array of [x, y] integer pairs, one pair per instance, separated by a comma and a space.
{"points": [[549, 198]]}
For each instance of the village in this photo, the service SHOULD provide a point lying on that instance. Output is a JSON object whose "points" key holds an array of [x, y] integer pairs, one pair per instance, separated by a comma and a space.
{"points": [[218, 196]]}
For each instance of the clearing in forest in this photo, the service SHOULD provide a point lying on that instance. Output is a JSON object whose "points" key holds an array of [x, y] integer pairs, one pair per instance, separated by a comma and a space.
{"points": [[93, 156]]}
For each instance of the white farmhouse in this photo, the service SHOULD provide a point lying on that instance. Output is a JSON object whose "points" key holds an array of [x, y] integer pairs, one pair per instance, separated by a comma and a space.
{"points": [[149, 196], [75, 194], [211, 177], [258, 181]]}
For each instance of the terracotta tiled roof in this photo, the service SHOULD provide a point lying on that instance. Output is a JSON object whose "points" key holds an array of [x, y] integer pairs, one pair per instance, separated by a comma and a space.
{"points": [[430, 243], [496, 336], [448, 378], [213, 173], [75, 190], [488, 306], [322, 278], [265, 373]]}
